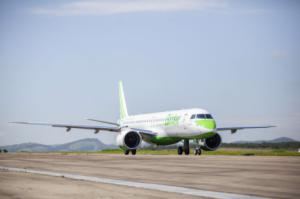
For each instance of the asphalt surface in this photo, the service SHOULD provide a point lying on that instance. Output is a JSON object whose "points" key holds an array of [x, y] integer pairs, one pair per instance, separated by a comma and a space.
{"points": [[274, 177]]}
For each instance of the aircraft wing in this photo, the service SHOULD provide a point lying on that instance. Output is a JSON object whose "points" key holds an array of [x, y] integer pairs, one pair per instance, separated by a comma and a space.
{"points": [[71, 126], [105, 122], [234, 129], [143, 132]]}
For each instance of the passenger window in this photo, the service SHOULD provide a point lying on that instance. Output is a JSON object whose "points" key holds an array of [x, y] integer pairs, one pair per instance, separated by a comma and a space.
{"points": [[193, 116], [200, 116]]}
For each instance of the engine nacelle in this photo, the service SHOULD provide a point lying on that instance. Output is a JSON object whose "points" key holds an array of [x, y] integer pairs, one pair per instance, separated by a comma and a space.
{"points": [[129, 139], [212, 143]]}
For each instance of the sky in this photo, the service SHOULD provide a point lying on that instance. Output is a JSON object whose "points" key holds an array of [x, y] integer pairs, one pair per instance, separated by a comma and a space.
{"points": [[60, 62]]}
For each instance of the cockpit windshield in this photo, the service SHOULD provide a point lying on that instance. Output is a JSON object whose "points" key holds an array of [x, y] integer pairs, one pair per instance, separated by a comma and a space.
{"points": [[208, 116], [201, 116]]}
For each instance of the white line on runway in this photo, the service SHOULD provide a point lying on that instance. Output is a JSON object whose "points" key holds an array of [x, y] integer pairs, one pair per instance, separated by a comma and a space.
{"points": [[157, 187]]}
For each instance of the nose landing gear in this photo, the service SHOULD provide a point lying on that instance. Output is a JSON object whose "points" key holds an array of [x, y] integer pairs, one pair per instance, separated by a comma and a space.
{"points": [[197, 151], [186, 148]]}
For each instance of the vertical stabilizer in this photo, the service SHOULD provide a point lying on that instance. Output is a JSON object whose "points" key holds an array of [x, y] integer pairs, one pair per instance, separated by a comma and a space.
{"points": [[123, 107]]}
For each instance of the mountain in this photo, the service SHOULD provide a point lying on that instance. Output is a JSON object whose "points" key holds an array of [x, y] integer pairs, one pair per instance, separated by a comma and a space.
{"points": [[89, 144], [277, 140], [282, 139], [92, 144]]}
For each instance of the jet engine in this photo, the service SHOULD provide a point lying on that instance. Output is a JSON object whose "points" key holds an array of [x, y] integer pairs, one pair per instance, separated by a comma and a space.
{"points": [[129, 139], [212, 143]]}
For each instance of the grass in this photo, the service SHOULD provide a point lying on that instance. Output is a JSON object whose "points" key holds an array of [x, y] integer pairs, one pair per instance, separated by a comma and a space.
{"points": [[253, 152], [222, 151]]}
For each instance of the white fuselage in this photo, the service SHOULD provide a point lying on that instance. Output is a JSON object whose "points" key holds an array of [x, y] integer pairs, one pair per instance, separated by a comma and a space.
{"points": [[170, 123]]}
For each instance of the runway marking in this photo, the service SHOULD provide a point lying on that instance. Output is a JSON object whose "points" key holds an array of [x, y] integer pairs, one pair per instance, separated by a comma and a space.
{"points": [[150, 186]]}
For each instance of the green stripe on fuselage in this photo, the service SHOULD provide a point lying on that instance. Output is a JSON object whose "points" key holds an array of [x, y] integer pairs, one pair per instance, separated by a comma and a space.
{"points": [[166, 140]]}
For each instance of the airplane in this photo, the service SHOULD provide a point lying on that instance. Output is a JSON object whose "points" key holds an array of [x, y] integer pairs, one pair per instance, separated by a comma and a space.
{"points": [[161, 128]]}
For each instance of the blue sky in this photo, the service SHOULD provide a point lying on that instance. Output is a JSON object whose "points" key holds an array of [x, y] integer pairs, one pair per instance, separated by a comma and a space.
{"points": [[60, 62]]}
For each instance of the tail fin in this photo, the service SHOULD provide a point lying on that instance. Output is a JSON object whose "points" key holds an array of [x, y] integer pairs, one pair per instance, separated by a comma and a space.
{"points": [[123, 107]]}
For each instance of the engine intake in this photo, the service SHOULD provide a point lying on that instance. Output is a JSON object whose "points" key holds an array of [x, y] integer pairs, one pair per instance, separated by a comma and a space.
{"points": [[212, 143], [132, 139], [129, 139]]}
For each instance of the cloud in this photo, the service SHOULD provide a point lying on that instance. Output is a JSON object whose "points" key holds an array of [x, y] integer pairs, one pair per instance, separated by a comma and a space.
{"points": [[105, 7]]}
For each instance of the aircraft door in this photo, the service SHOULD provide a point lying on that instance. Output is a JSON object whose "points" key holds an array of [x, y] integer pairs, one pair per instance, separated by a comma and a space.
{"points": [[186, 121]]}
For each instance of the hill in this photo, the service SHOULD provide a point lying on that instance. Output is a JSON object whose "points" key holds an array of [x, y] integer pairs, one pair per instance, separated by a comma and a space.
{"points": [[89, 144], [277, 140], [278, 143], [92, 144]]}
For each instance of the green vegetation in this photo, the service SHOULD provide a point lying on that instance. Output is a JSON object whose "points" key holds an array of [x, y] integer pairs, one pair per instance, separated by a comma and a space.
{"points": [[264, 145], [3, 150], [222, 151], [260, 148], [255, 152], [143, 151]]}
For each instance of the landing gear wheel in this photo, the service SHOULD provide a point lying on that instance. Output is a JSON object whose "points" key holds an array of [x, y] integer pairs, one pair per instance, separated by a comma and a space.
{"points": [[187, 151], [133, 152], [197, 151], [180, 150], [186, 146], [126, 152]]}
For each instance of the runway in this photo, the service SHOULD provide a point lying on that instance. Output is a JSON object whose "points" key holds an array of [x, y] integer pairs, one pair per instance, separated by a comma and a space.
{"points": [[148, 176], [151, 186]]}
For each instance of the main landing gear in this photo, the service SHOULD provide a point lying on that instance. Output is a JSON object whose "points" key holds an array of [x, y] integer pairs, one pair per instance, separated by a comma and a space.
{"points": [[127, 151], [179, 150], [186, 149]]}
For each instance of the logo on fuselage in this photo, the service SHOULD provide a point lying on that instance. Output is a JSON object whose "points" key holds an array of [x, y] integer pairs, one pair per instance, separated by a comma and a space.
{"points": [[172, 120]]}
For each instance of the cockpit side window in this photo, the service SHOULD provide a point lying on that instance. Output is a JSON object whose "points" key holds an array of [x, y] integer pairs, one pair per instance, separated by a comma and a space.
{"points": [[200, 116], [208, 116], [193, 116]]}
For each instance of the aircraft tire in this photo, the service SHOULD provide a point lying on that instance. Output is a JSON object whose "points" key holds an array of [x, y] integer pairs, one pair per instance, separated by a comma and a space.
{"points": [[126, 152], [180, 150], [186, 147], [197, 151], [133, 152], [187, 151]]}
